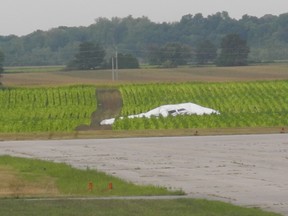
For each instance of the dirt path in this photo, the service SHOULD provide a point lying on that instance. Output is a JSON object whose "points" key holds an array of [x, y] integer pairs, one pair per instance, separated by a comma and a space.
{"points": [[109, 105]]}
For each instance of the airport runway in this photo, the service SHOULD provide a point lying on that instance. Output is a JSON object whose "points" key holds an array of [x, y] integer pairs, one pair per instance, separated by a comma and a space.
{"points": [[248, 170]]}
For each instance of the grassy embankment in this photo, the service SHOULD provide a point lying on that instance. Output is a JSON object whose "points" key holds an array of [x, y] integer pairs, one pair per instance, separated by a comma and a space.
{"points": [[27, 177], [34, 178]]}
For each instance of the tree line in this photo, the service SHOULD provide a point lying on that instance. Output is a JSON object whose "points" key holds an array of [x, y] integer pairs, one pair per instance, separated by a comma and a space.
{"points": [[193, 39], [233, 52]]}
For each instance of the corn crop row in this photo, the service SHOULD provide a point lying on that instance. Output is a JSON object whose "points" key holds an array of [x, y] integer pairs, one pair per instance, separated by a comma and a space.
{"points": [[241, 104], [46, 109]]}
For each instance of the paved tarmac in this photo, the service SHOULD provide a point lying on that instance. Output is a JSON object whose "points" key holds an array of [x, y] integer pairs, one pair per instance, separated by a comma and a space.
{"points": [[248, 170]]}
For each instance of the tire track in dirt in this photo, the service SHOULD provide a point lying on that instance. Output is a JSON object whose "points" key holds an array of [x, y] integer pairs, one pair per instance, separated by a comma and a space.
{"points": [[109, 105]]}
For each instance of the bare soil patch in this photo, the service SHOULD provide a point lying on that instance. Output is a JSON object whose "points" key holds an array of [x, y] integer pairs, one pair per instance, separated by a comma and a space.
{"points": [[109, 105], [13, 184]]}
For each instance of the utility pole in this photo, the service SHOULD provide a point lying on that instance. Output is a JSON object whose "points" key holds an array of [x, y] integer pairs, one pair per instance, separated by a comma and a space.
{"points": [[113, 71], [116, 64]]}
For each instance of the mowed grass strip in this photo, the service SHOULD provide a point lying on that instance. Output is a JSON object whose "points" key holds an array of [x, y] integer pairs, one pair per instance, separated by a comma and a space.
{"points": [[22, 177], [183, 207]]}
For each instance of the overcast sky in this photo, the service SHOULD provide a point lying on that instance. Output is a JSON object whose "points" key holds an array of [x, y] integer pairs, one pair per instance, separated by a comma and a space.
{"points": [[21, 17]]}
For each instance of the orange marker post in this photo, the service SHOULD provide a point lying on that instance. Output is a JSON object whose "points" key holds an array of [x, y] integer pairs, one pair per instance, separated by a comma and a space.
{"points": [[110, 186], [90, 186]]}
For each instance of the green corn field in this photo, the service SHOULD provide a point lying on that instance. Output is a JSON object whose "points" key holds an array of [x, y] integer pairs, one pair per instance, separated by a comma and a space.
{"points": [[46, 109], [241, 104]]}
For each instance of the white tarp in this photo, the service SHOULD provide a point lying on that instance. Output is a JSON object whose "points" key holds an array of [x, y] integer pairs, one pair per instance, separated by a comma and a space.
{"points": [[173, 109]]}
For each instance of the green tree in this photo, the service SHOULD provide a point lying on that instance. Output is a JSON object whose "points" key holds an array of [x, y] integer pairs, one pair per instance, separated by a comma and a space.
{"points": [[266, 36], [127, 61], [1, 61], [153, 54], [174, 54], [89, 56], [205, 52], [234, 51], [283, 27], [170, 55], [1, 65]]}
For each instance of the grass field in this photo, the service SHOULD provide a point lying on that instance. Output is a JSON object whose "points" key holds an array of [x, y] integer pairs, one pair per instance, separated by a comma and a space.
{"points": [[185, 74], [31, 69], [183, 207], [35, 178]]}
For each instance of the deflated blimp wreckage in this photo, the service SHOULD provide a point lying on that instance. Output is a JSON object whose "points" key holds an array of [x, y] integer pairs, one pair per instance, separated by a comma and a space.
{"points": [[173, 110]]}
